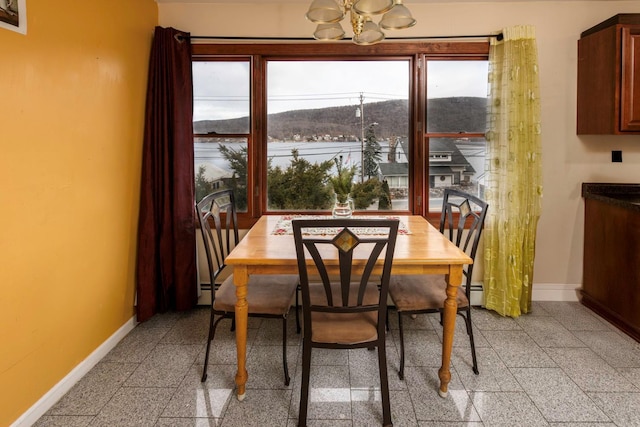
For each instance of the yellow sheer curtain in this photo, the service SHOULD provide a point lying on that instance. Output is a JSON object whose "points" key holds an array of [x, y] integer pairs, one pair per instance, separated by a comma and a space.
{"points": [[513, 167]]}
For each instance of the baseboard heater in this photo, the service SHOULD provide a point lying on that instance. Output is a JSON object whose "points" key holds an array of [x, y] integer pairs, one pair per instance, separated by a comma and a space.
{"points": [[476, 294]]}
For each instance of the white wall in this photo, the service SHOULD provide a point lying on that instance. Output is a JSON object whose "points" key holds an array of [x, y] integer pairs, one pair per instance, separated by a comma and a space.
{"points": [[568, 160]]}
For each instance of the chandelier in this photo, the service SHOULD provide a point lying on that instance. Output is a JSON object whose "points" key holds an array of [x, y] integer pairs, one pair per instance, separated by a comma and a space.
{"points": [[328, 14]]}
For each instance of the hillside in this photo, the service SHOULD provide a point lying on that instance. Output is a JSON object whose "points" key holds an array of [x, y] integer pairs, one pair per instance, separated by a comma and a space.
{"points": [[445, 115]]}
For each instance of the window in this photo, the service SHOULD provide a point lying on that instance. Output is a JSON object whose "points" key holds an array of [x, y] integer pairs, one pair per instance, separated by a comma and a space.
{"points": [[456, 120], [325, 116], [221, 122], [276, 122]]}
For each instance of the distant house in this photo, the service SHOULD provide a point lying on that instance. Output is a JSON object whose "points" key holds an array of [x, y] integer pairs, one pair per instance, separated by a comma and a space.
{"points": [[447, 166], [398, 149], [214, 174], [397, 176]]}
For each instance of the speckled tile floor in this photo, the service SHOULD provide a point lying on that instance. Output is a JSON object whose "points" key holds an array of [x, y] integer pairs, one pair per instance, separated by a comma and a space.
{"points": [[559, 366]]}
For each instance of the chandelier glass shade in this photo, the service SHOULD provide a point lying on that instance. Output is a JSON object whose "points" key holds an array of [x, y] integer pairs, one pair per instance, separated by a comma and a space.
{"points": [[372, 7], [325, 12], [370, 33], [328, 14], [332, 31], [397, 18]]}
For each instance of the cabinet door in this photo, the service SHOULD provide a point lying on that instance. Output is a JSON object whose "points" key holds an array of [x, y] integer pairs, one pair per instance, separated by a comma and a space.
{"points": [[630, 88]]}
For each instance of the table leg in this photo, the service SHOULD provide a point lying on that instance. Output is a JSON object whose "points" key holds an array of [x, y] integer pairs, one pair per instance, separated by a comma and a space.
{"points": [[454, 279], [241, 279]]}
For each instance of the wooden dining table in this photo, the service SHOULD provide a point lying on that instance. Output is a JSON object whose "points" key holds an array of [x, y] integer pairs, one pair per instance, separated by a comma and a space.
{"points": [[268, 248]]}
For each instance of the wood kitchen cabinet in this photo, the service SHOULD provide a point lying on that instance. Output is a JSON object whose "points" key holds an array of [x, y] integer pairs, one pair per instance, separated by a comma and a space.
{"points": [[611, 264], [609, 77]]}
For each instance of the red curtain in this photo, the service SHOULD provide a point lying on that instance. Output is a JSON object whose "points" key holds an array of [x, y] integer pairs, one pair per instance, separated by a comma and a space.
{"points": [[166, 260]]}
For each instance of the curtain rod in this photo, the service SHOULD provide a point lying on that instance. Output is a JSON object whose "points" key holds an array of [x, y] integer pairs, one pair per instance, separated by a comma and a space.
{"points": [[180, 36]]}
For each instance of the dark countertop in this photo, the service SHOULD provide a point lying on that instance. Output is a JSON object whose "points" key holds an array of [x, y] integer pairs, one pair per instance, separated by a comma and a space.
{"points": [[623, 195]]}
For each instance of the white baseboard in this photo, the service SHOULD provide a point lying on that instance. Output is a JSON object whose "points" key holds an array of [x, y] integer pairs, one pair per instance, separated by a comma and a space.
{"points": [[555, 292], [61, 388], [541, 292], [205, 296], [477, 295]]}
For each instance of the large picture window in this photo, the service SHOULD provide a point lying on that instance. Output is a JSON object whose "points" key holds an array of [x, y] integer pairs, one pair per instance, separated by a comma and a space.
{"points": [[397, 123], [331, 118]]}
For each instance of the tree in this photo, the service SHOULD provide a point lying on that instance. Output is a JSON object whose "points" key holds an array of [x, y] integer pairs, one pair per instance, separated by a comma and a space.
{"points": [[372, 152], [301, 186], [237, 160], [203, 185], [384, 201], [365, 193]]}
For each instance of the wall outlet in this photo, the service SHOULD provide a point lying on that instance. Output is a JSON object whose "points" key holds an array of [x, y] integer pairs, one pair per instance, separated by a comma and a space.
{"points": [[616, 156]]}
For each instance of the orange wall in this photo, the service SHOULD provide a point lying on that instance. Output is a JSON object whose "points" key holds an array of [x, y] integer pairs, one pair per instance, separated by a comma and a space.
{"points": [[72, 93]]}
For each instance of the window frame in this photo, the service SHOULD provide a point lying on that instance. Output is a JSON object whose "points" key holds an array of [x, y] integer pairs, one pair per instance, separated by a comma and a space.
{"points": [[416, 52]]}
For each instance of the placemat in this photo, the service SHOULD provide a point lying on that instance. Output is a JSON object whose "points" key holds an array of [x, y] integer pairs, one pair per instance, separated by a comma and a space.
{"points": [[284, 226]]}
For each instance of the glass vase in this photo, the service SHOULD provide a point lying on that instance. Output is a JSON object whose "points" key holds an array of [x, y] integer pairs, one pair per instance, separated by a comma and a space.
{"points": [[343, 209]]}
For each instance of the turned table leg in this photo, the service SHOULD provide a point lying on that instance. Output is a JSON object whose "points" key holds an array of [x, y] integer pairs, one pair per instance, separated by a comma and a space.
{"points": [[241, 279], [454, 279]]}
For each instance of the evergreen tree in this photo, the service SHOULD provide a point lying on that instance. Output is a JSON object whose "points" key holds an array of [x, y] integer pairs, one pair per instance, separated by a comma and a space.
{"points": [[301, 186], [237, 160], [384, 201], [372, 153], [203, 185], [365, 193]]}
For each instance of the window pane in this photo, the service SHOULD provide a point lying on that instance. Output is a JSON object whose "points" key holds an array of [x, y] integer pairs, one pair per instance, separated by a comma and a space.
{"points": [[456, 104], [221, 163], [456, 96], [221, 97], [329, 115], [455, 163]]}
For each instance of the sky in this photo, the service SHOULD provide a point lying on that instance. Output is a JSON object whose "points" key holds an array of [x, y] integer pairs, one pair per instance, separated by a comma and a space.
{"points": [[221, 89]]}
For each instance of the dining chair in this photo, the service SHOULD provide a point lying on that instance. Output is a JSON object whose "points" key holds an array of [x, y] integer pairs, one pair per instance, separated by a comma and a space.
{"points": [[343, 306], [268, 296], [462, 221]]}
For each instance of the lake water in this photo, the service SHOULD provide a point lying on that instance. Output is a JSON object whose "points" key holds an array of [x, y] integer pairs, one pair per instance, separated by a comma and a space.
{"points": [[280, 152]]}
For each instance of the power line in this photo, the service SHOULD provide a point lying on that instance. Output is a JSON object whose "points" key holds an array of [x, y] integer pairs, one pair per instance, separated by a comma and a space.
{"points": [[304, 97]]}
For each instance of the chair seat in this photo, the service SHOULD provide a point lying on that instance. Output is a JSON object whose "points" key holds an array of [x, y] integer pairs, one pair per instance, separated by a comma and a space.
{"points": [[422, 292], [344, 328], [266, 295]]}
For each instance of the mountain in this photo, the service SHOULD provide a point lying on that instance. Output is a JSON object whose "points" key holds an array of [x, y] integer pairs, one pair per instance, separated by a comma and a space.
{"points": [[445, 115], [467, 114]]}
